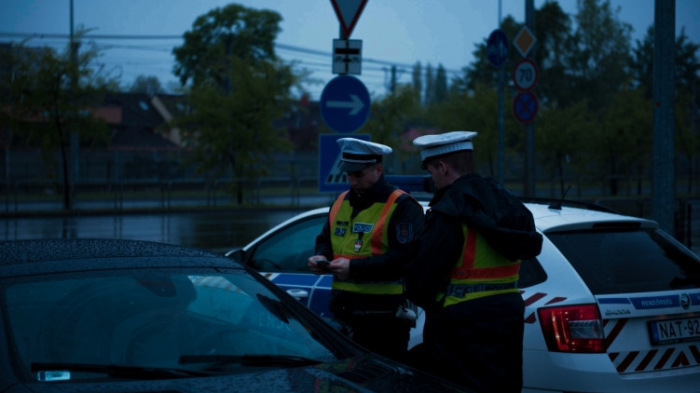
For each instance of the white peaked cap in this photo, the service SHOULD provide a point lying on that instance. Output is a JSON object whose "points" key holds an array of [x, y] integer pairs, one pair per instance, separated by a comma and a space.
{"points": [[357, 154], [439, 144]]}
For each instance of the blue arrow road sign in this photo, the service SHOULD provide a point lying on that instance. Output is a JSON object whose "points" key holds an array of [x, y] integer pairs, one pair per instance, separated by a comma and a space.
{"points": [[345, 104], [497, 48], [525, 107], [330, 178]]}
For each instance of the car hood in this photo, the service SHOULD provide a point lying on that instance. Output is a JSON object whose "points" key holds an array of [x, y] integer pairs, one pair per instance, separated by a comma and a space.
{"points": [[366, 373]]}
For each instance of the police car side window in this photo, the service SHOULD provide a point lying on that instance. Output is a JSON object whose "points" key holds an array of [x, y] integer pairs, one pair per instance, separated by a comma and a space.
{"points": [[289, 249]]}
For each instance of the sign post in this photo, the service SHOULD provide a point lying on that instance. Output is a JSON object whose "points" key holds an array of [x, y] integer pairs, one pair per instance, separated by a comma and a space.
{"points": [[345, 101], [497, 51]]}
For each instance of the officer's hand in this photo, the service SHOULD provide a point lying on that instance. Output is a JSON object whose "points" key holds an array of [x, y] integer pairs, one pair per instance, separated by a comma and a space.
{"points": [[340, 268], [318, 264]]}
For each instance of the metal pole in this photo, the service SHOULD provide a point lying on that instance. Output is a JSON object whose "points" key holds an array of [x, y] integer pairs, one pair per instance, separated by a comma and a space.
{"points": [[663, 187], [73, 134], [501, 131], [529, 188]]}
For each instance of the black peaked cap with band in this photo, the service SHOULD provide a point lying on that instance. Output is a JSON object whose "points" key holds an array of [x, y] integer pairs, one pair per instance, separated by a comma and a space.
{"points": [[357, 154]]}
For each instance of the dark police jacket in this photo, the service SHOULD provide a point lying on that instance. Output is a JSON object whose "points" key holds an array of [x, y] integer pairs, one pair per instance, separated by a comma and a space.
{"points": [[484, 205]]}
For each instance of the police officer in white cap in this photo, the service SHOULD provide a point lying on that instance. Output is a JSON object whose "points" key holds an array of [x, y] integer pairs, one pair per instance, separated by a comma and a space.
{"points": [[464, 271], [367, 239]]}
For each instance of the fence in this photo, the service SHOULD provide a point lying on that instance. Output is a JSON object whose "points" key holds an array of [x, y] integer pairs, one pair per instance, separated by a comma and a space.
{"points": [[123, 175]]}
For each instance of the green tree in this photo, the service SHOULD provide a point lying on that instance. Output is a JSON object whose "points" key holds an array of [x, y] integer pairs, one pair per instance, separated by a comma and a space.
{"points": [[417, 79], [52, 98], [686, 72], [481, 70], [597, 67], [561, 134], [599, 56], [146, 84], [440, 85], [474, 111], [221, 34], [624, 138], [687, 104], [391, 114], [550, 53], [429, 90], [237, 89], [642, 63]]}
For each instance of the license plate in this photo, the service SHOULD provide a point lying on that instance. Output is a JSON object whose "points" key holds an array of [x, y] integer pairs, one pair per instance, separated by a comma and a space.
{"points": [[674, 330]]}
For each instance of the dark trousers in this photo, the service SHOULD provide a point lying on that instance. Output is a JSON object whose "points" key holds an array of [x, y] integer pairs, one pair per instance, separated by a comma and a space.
{"points": [[477, 344], [381, 333]]}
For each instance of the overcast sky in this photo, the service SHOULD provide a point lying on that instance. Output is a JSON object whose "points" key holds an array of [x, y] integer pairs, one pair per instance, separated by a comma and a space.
{"points": [[400, 32]]}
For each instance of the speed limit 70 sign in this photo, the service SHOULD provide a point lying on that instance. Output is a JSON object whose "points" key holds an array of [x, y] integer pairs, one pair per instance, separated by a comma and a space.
{"points": [[525, 74]]}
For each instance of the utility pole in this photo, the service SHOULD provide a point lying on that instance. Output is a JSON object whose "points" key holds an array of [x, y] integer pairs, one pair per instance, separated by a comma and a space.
{"points": [[69, 191], [663, 187], [501, 104], [529, 186]]}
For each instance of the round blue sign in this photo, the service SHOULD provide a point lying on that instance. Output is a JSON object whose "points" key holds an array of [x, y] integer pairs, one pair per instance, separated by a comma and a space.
{"points": [[525, 107], [345, 104], [497, 48]]}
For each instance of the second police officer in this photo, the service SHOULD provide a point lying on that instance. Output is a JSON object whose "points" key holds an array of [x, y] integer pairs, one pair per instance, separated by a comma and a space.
{"points": [[365, 244]]}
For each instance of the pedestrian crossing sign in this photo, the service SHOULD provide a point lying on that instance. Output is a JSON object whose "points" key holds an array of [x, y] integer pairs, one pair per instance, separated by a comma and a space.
{"points": [[331, 178]]}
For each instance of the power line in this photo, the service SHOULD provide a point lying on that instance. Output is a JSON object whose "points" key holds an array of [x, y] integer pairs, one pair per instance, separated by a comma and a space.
{"points": [[293, 48], [375, 71]]}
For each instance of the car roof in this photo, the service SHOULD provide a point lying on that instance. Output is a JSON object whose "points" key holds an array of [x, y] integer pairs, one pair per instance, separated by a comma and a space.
{"points": [[564, 218], [548, 217]]}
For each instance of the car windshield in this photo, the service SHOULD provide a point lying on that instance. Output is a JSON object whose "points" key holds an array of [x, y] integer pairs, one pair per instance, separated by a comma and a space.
{"points": [[160, 319], [620, 260]]}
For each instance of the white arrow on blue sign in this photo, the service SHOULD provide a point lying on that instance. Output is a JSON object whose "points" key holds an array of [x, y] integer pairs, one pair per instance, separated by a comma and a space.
{"points": [[497, 48], [345, 104]]}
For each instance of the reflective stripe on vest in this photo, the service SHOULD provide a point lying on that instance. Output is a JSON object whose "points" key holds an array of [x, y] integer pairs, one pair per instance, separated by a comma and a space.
{"points": [[377, 244], [482, 271]]}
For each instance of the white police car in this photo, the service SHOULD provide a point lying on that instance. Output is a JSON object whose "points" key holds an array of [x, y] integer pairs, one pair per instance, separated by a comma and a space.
{"points": [[612, 302]]}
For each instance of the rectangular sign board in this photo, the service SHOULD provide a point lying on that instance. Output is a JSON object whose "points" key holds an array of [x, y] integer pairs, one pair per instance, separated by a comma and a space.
{"points": [[347, 57], [331, 178]]}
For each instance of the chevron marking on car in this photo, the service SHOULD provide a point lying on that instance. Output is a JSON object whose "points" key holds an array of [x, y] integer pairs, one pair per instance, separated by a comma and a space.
{"points": [[530, 315], [679, 356], [612, 329]]}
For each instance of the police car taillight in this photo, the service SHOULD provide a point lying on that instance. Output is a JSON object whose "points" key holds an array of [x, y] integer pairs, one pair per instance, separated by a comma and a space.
{"points": [[575, 328]]}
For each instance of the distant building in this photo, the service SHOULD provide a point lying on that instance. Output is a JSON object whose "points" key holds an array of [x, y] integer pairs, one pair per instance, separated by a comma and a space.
{"points": [[135, 121]]}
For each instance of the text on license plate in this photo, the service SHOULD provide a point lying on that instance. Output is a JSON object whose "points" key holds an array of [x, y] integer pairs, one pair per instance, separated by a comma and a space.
{"points": [[674, 330]]}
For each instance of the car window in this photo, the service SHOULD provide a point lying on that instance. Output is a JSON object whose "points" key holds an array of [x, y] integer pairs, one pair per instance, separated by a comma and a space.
{"points": [[288, 249], [627, 260]]}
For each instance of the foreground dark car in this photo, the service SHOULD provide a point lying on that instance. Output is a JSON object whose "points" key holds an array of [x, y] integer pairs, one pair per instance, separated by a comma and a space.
{"points": [[130, 316]]}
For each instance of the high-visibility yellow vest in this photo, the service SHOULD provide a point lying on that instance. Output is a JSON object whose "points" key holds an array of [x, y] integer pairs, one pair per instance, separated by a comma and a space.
{"points": [[362, 236], [481, 271]]}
